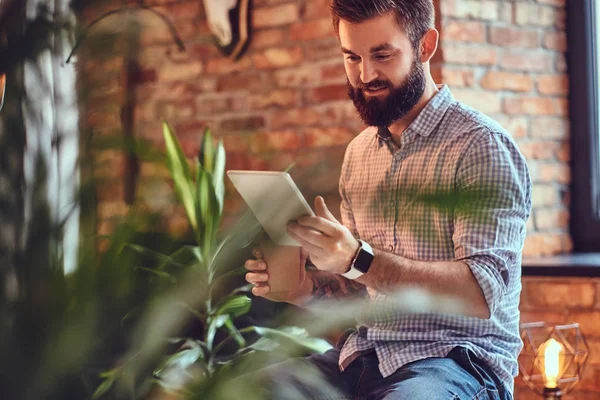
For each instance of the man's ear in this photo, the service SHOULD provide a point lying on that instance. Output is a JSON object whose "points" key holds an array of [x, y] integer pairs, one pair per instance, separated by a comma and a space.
{"points": [[429, 45]]}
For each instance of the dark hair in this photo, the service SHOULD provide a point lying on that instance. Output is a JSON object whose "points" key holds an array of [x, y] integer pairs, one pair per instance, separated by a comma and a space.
{"points": [[415, 16]]}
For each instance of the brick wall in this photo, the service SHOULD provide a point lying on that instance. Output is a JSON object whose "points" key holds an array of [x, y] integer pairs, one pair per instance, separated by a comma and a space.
{"points": [[565, 300], [285, 101]]}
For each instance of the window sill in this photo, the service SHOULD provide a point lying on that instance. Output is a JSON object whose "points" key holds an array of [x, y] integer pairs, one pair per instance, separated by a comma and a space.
{"points": [[568, 265]]}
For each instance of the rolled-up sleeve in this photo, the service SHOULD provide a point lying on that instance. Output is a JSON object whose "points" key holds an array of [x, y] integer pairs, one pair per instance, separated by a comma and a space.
{"points": [[493, 205]]}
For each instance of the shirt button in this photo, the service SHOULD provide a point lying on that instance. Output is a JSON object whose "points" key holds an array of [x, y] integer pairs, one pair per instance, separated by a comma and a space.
{"points": [[392, 204]]}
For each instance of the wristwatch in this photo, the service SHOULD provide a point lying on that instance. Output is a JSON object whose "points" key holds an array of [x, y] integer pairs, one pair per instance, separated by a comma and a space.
{"points": [[362, 261]]}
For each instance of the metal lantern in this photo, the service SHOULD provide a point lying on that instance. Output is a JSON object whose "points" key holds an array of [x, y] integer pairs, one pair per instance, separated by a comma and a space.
{"points": [[553, 357]]}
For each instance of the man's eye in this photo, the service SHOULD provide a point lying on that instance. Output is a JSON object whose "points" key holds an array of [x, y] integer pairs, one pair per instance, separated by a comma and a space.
{"points": [[382, 57], [353, 58]]}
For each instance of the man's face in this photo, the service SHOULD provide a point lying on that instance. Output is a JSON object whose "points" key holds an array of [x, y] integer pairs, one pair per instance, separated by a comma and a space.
{"points": [[385, 77]]}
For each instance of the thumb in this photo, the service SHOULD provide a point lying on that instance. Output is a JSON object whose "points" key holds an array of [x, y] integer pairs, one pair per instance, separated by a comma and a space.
{"points": [[322, 210]]}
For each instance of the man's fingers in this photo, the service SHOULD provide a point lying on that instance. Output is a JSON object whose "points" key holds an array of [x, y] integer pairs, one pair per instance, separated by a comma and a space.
{"points": [[257, 277], [319, 223], [255, 265], [261, 290], [322, 210], [312, 249]]}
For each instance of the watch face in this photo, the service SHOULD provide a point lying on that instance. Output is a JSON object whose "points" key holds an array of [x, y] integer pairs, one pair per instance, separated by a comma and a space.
{"points": [[363, 260]]}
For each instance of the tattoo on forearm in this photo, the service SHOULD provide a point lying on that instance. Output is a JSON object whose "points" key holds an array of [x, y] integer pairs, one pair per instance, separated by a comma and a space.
{"points": [[328, 286]]}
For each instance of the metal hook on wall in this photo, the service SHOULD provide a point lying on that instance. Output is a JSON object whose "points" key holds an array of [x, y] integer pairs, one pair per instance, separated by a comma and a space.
{"points": [[137, 7]]}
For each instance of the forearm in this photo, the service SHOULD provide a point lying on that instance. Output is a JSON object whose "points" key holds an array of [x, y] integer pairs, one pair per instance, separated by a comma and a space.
{"points": [[322, 285], [389, 273]]}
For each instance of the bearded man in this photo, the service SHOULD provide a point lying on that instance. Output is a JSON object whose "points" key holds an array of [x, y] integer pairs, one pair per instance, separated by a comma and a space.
{"points": [[435, 195]]}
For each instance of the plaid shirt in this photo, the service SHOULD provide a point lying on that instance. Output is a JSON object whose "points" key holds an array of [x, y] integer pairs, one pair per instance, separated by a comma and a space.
{"points": [[457, 189]]}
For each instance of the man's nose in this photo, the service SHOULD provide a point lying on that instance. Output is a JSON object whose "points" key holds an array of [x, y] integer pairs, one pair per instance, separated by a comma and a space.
{"points": [[367, 72]]}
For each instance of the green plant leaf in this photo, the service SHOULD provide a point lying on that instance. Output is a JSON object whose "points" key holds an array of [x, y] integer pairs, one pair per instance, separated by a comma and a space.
{"points": [[207, 155], [233, 331], [182, 359], [214, 324], [164, 259], [180, 173], [235, 306], [103, 388], [218, 175], [208, 211], [160, 274], [295, 338]]}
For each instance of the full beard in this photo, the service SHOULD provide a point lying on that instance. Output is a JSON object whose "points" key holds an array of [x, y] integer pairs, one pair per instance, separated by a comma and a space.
{"points": [[399, 101]]}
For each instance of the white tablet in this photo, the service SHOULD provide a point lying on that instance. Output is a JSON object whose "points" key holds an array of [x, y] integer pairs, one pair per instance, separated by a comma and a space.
{"points": [[274, 199]]}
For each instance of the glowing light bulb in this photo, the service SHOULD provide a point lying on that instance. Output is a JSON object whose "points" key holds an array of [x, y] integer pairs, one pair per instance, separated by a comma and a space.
{"points": [[552, 361]]}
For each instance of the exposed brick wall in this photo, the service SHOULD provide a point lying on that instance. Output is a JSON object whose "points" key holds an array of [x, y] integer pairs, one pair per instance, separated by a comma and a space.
{"points": [[564, 300]]}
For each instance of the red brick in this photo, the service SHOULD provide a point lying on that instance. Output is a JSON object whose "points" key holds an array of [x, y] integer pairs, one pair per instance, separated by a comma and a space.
{"points": [[333, 72], [557, 315], [558, 3], [537, 15], [470, 55], [325, 49], [264, 38], [312, 30], [174, 110], [275, 98], [550, 128], [534, 62], [465, 31], [543, 244], [278, 57], [306, 75], [476, 9], [555, 172], [556, 218], [518, 127], [297, 118], [536, 106], [458, 77], [223, 66], [540, 150], [237, 143], [325, 137], [544, 195], [555, 41], [276, 141], [327, 93], [242, 124], [216, 104], [250, 81], [276, 16], [498, 80], [317, 9], [555, 294], [553, 84], [486, 102], [514, 37], [564, 152]]}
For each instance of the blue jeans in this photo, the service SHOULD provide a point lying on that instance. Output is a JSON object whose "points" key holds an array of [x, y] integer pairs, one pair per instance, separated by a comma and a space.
{"points": [[458, 376]]}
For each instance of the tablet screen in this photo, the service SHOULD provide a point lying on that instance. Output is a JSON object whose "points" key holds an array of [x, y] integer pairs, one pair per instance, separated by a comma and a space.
{"points": [[274, 199]]}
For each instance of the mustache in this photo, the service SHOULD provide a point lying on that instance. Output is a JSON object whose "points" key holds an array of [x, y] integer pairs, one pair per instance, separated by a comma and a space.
{"points": [[376, 84]]}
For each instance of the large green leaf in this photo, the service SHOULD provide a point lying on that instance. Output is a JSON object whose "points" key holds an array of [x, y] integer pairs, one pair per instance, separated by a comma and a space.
{"points": [[208, 210], [182, 359], [180, 173], [218, 174], [235, 333], [295, 338], [207, 156], [235, 306]]}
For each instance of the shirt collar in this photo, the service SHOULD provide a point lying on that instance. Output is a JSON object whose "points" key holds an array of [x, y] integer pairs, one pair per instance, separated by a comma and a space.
{"points": [[428, 119]]}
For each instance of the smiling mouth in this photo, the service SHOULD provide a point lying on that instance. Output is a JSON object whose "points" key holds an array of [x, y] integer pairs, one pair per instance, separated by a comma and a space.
{"points": [[375, 91]]}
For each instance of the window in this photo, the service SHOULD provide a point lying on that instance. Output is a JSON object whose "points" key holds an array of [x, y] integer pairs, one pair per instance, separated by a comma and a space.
{"points": [[583, 27]]}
